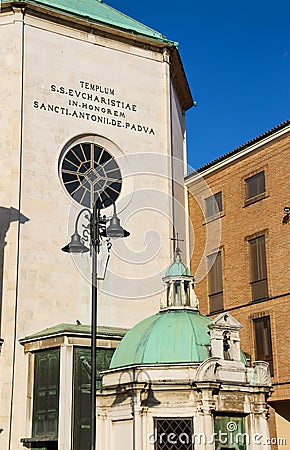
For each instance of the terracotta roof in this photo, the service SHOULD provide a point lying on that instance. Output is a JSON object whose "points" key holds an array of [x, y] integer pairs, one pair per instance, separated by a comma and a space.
{"points": [[241, 147]]}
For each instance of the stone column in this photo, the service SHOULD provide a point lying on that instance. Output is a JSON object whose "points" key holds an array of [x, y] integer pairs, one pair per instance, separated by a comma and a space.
{"points": [[204, 423], [261, 418], [65, 397]]}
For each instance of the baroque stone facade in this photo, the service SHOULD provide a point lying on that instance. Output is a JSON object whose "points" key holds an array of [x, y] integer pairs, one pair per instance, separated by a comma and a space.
{"points": [[218, 402]]}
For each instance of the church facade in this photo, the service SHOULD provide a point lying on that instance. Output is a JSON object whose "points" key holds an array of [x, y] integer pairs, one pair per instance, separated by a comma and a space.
{"points": [[90, 98], [93, 110]]}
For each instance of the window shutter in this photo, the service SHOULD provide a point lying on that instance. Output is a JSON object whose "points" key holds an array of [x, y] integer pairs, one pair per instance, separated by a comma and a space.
{"points": [[46, 394], [215, 282], [258, 268]]}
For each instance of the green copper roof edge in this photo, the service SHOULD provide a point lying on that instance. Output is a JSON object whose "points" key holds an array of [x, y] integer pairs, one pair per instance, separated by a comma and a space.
{"points": [[73, 330], [165, 364], [155, 35]]}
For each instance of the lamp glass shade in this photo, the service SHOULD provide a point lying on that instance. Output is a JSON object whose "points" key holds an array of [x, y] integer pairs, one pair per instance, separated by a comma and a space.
{"points": [[75, 245], [115, 230]]}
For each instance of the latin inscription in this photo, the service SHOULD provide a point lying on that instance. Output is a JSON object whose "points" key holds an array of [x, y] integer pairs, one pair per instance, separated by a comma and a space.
{"points": [[94, 103]]}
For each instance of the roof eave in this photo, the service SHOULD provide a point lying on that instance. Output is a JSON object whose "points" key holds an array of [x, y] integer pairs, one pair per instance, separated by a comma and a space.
{"points": [[72, 331], [179, 80], [54, 10], [242, 151], [177, 72]]}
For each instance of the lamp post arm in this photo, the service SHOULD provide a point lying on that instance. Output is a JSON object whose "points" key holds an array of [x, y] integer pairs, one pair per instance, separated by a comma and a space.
{"points": [[78, 218]]}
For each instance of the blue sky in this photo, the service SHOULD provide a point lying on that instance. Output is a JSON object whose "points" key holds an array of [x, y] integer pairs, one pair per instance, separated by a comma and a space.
{"points": [[237, 59]]}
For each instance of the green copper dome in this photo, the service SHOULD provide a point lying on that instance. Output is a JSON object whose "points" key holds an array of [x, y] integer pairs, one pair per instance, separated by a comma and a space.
{"points": [[178, 269], [172, 336]]}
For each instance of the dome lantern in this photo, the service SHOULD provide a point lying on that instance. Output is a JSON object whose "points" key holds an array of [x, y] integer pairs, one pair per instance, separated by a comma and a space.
{"points": [[179, 283]]}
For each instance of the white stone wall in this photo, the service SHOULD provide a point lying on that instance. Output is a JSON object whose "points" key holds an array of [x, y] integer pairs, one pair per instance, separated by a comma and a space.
{"points": [[10, 141], [43, 286], [178, 173]]}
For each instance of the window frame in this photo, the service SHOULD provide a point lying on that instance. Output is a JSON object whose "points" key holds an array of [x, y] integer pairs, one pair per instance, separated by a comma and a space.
{"points": [[81, 382], [265, 341], [162, 445], [258, 267], [260, 190], [223, 423], [49, 353], [213, 205]]}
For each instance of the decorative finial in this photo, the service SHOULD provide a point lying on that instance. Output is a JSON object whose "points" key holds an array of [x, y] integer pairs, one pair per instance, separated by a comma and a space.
{"points": [[177, 251]]}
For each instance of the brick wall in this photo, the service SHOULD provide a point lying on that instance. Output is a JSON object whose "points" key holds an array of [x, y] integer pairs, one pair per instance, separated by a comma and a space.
{"points": [[235, 225]]}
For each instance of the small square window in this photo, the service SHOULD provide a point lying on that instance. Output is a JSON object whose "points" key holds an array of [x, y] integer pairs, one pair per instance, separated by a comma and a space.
{"points": [[213, 204], [255, 185], [174, 434]]}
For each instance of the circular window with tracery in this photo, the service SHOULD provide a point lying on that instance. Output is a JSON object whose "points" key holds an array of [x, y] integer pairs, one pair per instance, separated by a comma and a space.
{"points": [[90, 174]]}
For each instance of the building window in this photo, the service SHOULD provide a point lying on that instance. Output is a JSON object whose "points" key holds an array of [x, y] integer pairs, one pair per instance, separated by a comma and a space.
{"points": [[258, 268], [263, 342], [46, 394], [255, 185], [213, 205], [82, 392], [173, 433], [91, 174], [215, 282], [230, 432]]}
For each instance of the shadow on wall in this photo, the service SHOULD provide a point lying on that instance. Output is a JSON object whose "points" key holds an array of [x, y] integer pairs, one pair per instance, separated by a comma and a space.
{"points": [[128, 390], [7, 216]]}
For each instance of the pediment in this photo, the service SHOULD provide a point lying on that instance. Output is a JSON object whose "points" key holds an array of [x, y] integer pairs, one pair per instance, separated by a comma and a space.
{"points": [[225, 321]]}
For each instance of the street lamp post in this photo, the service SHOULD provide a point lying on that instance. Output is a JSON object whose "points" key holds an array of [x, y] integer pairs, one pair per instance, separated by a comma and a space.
{"points": [[97, 230]]}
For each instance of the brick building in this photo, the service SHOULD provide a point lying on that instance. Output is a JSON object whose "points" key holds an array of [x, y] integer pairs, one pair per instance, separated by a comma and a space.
{"points": [[238, 210]]}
